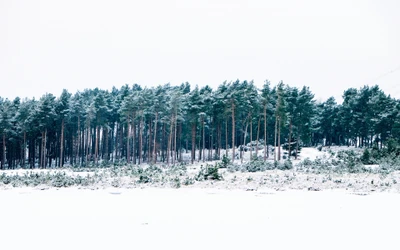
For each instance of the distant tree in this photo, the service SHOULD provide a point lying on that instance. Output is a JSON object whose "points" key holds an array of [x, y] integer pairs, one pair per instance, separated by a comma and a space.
{"points": [[280, 118], [62, 109]]}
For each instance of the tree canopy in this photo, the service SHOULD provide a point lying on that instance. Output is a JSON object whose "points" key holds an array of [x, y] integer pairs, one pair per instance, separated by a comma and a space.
{"points": [[135, 124]]}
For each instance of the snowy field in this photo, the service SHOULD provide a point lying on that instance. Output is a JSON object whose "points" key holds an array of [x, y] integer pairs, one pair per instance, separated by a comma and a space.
{"points": [[192, 218], [273, 209]]}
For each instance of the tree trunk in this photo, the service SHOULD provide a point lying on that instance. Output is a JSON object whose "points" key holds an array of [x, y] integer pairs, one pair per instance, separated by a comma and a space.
{"points": [[210, 150], [155, 136], [96, 147], [78, 143], [24, 151], [3, 159], [290, 138], [134, 145], [82, 147], [163, 142], [193, 142], [128, 136], [251, 138], [297, 143], [199, 147], [140, 139], [244, 142], [169, 141], [150, 151], [218, 138], [279, 139], [44, 148], [226, 138], [204, 139], [180, 141], [87, 145], [233, 132], [106, 144], [275, 139], [116, 145], [174, 146], [258, 134], [62, 143]]}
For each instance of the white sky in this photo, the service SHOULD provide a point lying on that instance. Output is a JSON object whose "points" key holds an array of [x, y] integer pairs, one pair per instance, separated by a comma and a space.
{"points": [[49, 45]]}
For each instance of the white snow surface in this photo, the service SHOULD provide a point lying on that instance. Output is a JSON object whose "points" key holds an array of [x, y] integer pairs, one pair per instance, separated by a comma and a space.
{"points": [[195, 218]]}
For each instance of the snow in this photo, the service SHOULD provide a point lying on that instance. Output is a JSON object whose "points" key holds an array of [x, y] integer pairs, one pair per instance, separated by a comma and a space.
{"points": [[194, 218]]}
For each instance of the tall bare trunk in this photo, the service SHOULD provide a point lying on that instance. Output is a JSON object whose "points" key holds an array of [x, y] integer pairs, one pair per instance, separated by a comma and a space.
{"points": [[154, 144], [24, 150], [204, 139], [233, 131], [87, 145], [79, 142], [276, 137], [128, 136], [134, 145], [290, 138], [106, 143], [210, 150], [244, 142], [258, 134], [140, 139], [62, 143], [180, 142], [41, 150], [169, 141], [297, 145], [193, 142], [279, 139], [44, 148], [4, 151], [174, 148], [96, 147], [226, 138], [199, 147], [251, 138], [150, 151]]}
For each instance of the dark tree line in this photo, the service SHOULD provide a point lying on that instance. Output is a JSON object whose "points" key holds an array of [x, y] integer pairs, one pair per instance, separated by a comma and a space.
{"points": [[135, 125]]}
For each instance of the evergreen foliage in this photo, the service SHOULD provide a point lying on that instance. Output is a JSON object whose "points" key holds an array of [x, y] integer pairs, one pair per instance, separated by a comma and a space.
{"points": [[134, 125]]}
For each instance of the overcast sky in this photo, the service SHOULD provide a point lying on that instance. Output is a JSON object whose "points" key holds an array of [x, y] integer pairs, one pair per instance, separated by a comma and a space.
{"points": [[49, 45]]}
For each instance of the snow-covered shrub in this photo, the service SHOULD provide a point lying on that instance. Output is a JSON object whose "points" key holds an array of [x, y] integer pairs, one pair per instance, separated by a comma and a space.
{"points": [[176, 182], [208, 173], [143, 178], [350, 160], [82, 181], [179, 169], [225, 162], [60, 179], [116, 182]]}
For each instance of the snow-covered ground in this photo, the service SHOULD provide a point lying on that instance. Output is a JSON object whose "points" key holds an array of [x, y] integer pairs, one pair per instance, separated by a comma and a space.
{"points": [[274, 209], [196, 219]]}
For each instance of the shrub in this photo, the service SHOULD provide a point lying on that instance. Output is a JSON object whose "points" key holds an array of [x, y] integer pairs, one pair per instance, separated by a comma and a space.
{"points": [[144, 179], [286, 165], [82, 181], [179, 169], [225, 162], [188, 181], [350, 161], [176, 182], [208, 173], [60, 179], [116, 182], [366, 157], [255, 165]]}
